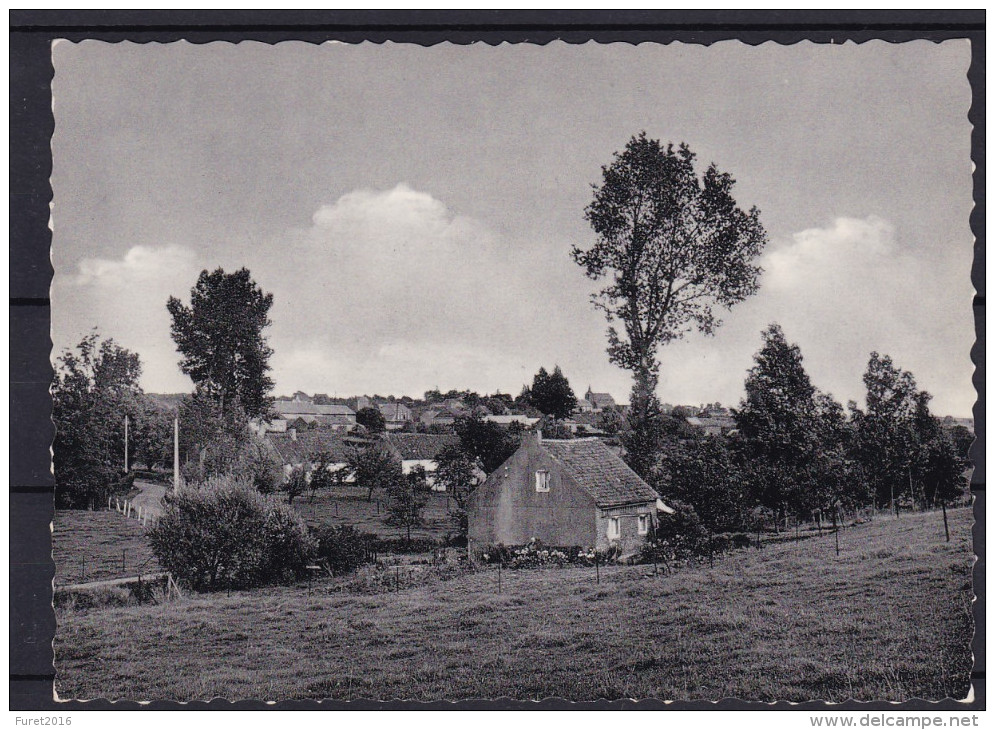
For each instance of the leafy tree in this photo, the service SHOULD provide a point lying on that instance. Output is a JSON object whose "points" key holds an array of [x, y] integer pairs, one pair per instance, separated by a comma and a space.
{"points": [[645, 431], [963, 439], [673, 247], [214, 438], [375, 468], [258, 466], [323, 475], [485, 441], [151, 435], [551, 394], [296, 484], [499, 403], [372, 419], [95, 386], [887, 439], [220, 336], [779, 424], [702, 472], [406, 500], [458, 472], [611, 420]]}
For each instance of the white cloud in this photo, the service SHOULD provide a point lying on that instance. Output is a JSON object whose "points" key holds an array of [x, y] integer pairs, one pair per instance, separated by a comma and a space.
{"points": [[126, 299], [840, 292], [141, 265], [400, 294]]}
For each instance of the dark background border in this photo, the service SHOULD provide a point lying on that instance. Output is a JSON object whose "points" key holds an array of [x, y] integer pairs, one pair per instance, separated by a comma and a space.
{"points": [[32, 621]]}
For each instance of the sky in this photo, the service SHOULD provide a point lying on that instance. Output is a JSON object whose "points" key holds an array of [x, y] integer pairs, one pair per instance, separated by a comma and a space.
{"points": [[412, 209]]}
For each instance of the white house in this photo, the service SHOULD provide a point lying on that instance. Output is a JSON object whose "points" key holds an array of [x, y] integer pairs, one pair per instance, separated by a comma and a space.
{"points": [[420, 449]]}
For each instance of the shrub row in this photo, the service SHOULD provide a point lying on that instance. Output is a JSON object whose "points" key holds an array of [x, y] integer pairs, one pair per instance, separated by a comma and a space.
{"points": [[535, 554]]}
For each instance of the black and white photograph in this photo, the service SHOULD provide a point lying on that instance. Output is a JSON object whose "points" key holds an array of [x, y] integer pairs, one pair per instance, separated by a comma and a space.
{"points": [[589, 371]]}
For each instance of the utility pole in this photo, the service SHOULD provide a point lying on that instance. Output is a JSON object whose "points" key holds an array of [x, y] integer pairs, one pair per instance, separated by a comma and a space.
{"points": [[125, 443], [176, 455]]}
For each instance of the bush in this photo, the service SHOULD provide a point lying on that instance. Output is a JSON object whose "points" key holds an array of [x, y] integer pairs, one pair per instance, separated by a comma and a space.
{"points": [[227, 535], [678, 536], [290, 546], [260, 467], [344, 548], [741, 540]]}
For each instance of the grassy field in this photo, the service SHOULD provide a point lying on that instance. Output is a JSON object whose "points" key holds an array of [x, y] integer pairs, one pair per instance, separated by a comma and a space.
{"points": [[887, 619], [91, 546], [347, 505]]}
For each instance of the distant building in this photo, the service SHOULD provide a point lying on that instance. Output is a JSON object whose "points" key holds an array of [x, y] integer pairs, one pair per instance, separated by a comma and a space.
{"points": [[565, 493], [598, 401], [420, 449], [712, 425], [510, 418], [439, 417], [299, 449], [584, 423], [337, 417], [396, 415]]}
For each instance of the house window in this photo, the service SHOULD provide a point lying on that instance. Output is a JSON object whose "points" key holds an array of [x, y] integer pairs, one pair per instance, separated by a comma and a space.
{"points": [[643, 524], [542, 481], [614, 532]]}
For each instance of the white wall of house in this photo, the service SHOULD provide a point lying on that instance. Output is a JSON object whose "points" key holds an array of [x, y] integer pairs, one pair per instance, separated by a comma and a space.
{"points": [[287, 468], [428, 465]]}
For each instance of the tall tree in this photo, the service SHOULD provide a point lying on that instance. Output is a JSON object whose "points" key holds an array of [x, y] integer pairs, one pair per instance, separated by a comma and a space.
{"points": [[674, 246], [212, 440], [887, 432], [406, 500], [220, 336], [551, 394], [779, 425], [95, 386]]}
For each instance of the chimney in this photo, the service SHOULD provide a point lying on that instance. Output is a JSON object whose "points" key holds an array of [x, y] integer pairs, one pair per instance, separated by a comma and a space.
{"points": [[293, 434]]}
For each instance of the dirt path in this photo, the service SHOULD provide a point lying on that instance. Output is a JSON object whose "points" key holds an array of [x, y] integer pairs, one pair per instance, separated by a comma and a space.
{"points": [[150, 498]]}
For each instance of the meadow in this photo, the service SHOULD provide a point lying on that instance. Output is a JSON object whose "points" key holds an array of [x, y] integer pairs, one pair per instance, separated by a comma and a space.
{"points": [[347, 505], [90, 546], [887, 619]]}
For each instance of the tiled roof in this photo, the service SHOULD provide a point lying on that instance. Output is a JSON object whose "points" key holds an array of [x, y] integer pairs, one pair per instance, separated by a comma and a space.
{"points": [[586, 419], [296, 408], [420, 446], [599, 472], [436, 415], [309, 443], [394, 411]]}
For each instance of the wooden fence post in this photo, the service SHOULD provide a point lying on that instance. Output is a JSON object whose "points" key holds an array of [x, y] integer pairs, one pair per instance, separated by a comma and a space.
{"points": [[946, 527]]}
